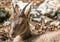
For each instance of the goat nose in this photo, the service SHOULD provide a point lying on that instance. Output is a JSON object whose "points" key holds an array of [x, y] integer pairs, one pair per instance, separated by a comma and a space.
{"points": [[13, 35]]}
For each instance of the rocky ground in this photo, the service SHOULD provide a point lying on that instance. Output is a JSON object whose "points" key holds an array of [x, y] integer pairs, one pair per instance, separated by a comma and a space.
{"points": [[44, 23]]}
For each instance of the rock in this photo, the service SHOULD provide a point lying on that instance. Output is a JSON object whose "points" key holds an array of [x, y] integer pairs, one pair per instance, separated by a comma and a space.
{"points": [[21, 5], [46, 19], [6, 23], [35, 15], [49, 6], [4, 15], [55, 23], [58, 15]]}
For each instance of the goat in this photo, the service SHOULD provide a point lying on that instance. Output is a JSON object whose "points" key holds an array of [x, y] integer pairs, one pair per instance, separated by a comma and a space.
{"points": [[20, 31], [21, 26]]}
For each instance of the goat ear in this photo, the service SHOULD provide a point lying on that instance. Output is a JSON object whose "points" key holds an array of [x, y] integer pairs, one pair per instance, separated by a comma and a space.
{"points": [[17, 10], [27, 10]]}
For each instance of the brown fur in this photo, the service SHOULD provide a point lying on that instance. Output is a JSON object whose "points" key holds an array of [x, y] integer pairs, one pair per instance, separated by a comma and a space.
{"points": [[20, 25], [48, 37]]}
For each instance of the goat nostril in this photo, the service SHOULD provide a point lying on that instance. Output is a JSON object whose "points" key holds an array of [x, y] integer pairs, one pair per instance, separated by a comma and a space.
{"points": [[13, 35]]}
